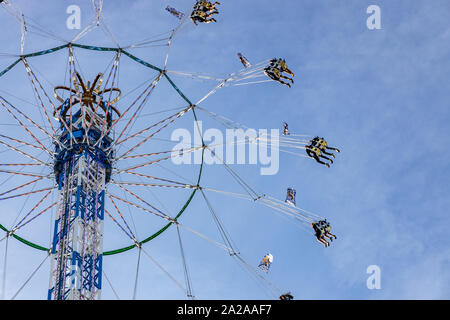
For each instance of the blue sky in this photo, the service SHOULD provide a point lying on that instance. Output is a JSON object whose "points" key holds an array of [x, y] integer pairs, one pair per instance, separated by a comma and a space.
{"points": [[381, 96]]}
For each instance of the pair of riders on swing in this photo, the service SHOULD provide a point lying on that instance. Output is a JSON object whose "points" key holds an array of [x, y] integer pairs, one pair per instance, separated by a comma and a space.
{"points": [[318, 148], [322, 230], [203, 11]]}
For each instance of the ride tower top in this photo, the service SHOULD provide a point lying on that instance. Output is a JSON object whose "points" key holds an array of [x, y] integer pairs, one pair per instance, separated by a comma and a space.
{"points": [[86, 120]]}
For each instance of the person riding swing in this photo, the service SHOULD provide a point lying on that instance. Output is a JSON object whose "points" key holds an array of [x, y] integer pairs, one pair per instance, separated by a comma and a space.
{"points": [[275, 69], [203, 10], [316, 153], [319, 233]]}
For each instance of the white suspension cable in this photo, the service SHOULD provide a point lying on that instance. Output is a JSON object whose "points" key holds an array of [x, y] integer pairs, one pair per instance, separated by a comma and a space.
{"points": [[164, 270], [30, 277], [137, 274], [110, 284]]}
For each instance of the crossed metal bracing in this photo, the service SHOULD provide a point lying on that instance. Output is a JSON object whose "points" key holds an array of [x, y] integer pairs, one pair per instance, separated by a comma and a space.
{"points": [[78, 237]]}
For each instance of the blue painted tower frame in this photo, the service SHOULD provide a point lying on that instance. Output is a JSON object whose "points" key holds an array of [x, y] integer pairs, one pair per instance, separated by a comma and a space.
{"points": [[82, 169]]}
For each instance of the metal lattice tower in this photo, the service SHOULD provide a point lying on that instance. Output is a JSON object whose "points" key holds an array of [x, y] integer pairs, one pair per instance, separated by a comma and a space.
{"points": [[82, 169]]}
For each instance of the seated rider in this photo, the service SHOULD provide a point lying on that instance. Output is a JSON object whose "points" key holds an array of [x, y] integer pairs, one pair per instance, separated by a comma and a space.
{"points": [[319, 233], [201, 16], [323, 146], [316, 153], [281, 65], [285, 129], [206, 6], [265, 264], [327, 230], [286, 296], [274, 71], [275, 74], [204, 10]]}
